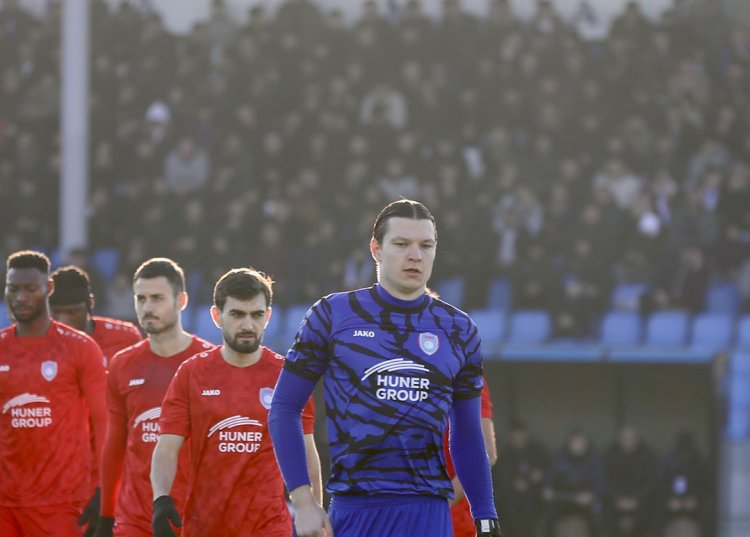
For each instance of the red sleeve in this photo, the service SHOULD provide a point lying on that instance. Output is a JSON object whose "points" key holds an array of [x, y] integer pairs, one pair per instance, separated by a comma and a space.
{"points": [[92, 381], [175, 410], [486, 401], [308, 417], [115, 443]]}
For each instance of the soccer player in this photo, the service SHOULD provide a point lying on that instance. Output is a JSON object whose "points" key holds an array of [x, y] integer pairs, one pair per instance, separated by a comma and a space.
{"points": [[52, 382], [220, 400], [397, 364], [72, 303], [137, 381]]}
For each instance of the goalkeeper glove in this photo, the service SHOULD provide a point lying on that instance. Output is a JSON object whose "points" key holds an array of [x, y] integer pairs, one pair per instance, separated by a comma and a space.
{"points": [[164, 513], [90, 513], [488, 527], [104, 526]]}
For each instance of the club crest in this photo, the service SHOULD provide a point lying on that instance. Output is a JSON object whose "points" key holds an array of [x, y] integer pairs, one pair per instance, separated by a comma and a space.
{"points": [[266, 395], [429, 343], [49, 370]]}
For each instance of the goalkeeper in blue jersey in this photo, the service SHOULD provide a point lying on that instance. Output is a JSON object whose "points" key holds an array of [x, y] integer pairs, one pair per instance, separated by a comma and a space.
{"points": [[397, 365]]}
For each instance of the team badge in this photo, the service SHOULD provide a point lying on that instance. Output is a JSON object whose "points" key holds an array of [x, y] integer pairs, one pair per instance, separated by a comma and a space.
{"points": [[429, 343], [49, 370], [266, 395]]}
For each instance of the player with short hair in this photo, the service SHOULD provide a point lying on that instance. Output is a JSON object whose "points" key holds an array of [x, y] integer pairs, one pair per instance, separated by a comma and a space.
{"points": [[72, 303], [51, 382], [137, 381], [397, 365], [219, 400]]}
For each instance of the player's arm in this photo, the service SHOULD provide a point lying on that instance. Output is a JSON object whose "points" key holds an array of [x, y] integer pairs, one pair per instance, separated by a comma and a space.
{"points": [[313, 468], [164, 463], [490, 441], [92, 381]]}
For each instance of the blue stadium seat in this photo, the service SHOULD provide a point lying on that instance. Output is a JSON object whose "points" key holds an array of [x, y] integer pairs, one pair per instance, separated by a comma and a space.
{"points": [[530, 326], [723, 297], [4, 315], [500, 295], [188, 318], [292, 320], [203, 324], [491, 325], [712, 331], [738, 419], [668, 328], [106, 261], [451, 290], [55, 257], [627, 296], [621, 328], [743, 333], [271, 337]]}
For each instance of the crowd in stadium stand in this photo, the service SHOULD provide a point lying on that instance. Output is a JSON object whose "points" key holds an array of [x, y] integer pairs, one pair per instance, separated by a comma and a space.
{"points": [[564, 163]]}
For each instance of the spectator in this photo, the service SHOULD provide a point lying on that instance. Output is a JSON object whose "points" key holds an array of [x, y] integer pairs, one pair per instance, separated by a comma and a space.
{"points": [[186, 167]]}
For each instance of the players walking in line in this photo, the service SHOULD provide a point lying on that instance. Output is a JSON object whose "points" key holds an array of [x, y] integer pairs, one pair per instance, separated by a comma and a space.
{"points": [[137, 381], [397, 364], [51, 381], [219, 399]]}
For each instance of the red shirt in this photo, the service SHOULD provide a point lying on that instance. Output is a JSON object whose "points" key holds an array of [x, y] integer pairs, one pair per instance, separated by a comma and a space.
{"points": [[113, 335], [236, 486], [463, 523], [47, 386], [136, 384]]}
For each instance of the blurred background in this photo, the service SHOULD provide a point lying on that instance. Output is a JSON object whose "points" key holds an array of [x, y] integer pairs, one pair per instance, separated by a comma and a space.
{"points": [[587, 162]]}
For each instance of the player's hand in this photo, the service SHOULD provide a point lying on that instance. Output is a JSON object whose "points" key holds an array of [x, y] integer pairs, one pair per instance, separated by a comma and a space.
{"points": [[488, 527], [90, 513], [104, 527], [311, 520], [164, 513]]}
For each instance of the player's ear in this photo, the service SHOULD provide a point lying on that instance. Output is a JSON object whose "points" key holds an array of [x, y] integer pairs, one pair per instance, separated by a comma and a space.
{"points": [[182, 300], [269, 311], [50, 287], [375, 250], [91, 302], [216, 316]]}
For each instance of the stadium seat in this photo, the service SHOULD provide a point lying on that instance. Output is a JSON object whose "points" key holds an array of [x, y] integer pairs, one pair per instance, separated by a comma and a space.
{"points": [[271, 337], [451, 290], [203, 324], [621, 328], [530, 326], [627, 296], [291, 322], [738, 419], [743, 333], [500, 294], [491, 325], [668, 328], [4, 315], [106, 261], [712, 331], [723, 297]]}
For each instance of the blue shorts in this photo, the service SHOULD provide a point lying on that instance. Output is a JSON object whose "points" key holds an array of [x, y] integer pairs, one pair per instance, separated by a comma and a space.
{"points": [[391, 515]]}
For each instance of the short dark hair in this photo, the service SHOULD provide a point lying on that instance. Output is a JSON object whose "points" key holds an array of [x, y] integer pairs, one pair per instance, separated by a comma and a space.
{"points": [[25, 259], [162, 266], [400, 209], [72, 285], [242, 284]]}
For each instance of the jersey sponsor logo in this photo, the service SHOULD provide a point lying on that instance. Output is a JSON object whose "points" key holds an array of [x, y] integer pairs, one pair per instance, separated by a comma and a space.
{"points": [[148, 423], [363, 333], [136, 382], [237, 441], [399, 387], [23, 417], [210, 393], [429, 343], [266, 396], [49, 370], [4, 368]]}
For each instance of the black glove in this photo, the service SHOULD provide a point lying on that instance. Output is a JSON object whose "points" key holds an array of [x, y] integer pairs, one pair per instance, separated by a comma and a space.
{"points": [[104, 526], [90, 513], [488, 527], [164, 513]]}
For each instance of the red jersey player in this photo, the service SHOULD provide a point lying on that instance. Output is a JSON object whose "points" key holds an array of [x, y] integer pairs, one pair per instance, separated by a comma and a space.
{"points": [[138, 378], [463, 522], [51, 382], [72, 303], [220, 400]]}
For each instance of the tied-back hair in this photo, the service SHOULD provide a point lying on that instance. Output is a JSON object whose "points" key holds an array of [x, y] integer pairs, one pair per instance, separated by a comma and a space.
{"points": [[162, 266], [403, 208], [26, 259], [242, 284]]}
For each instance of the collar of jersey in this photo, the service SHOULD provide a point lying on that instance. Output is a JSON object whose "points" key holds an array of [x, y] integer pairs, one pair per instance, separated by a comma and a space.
{"points": [[387, 300]]}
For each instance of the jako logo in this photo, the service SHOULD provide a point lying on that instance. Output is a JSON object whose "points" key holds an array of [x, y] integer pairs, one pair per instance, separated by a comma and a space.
{"points": [[211, 392], [364, 333]]}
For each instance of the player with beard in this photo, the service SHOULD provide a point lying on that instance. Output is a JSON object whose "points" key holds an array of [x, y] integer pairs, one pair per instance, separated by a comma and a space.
{"points": [[138, 378], [219, 400], [51, 381]]}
